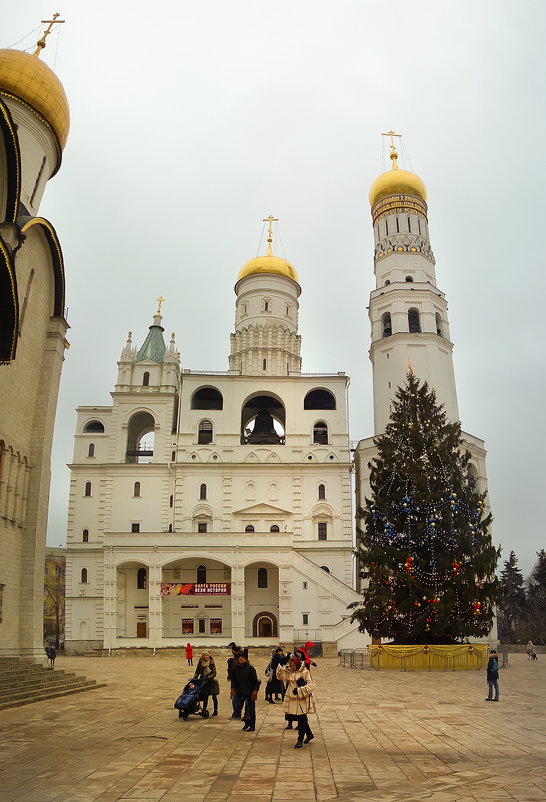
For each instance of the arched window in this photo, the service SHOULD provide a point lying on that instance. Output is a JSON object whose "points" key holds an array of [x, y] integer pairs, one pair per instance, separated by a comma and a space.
{"points": [[207, 398], [91, 450], [325, 568], [201, 574], [94, 426], [88, 488], [249, 528], [386, 325], [141, 579], [262, 577], [320, 433], [274, 528], [84, 576], [146, 379], [136, 490], [322, 491], [409, 279], [203, 491], [439, 330], [85, 536], [414, 324], [204, 434], [319, 399]]}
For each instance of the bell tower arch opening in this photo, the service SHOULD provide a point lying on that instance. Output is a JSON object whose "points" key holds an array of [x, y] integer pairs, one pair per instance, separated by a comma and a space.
{"points": [[263, 421], [140, 438]]}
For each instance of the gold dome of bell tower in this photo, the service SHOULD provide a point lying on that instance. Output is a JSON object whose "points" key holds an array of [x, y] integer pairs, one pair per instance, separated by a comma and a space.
{"points": [[396, 181]]}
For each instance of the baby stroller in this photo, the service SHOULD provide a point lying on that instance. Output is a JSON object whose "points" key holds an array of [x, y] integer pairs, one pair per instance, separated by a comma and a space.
{"points": [[190, 699]]}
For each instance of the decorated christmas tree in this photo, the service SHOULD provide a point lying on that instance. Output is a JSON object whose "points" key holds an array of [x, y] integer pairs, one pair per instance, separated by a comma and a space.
{"points": [[425, 547]]}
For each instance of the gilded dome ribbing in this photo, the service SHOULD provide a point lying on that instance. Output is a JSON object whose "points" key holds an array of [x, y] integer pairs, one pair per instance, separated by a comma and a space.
{"points": [[28, 79]]}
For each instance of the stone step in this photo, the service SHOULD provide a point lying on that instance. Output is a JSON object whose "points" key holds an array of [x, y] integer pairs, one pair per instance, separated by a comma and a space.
{"points": [[51, 695], [39, 684], [23, 682]]}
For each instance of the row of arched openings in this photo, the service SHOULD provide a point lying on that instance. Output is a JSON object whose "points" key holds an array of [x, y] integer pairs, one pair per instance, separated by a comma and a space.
{"points": [[414, 323]]}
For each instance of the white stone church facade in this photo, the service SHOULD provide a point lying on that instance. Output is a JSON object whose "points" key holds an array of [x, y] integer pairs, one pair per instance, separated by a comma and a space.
{"points": [[211, 507]]}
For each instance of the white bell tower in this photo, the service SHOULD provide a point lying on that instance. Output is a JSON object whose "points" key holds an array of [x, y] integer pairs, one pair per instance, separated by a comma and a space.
{"points": [[408, 312]]}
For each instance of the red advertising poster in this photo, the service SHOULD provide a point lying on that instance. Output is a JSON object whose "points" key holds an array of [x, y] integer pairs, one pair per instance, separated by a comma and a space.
{"points": [[215, 626], [194, 589], [187, 626]]}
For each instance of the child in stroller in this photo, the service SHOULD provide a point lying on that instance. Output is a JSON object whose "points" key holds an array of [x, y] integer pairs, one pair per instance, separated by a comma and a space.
{"points": [[189, 701]]}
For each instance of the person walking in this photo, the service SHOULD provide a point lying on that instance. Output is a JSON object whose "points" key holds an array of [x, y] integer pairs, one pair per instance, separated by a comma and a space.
{"points": [[533, 653], [245, 684], [529, 649], [299, 699], [206, 669], [236, 701], [189, 654], [493, 676], [276, 687]]}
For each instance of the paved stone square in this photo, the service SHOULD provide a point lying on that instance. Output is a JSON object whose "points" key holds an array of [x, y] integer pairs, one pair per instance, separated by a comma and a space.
{"points": [[379, 736]]}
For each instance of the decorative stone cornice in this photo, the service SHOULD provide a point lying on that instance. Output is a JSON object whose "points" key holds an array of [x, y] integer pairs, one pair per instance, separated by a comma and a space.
{"points": [[403, 243]]}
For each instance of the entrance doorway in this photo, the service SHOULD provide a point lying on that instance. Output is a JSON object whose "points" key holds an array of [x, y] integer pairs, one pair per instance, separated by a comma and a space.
{"points": [[264, 625], [141, 629]]}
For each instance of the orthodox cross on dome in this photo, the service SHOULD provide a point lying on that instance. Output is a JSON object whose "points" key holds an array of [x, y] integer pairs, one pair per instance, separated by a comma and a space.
{"points": [[159, 302], [41, 43], [393, 154], [270, 220]]}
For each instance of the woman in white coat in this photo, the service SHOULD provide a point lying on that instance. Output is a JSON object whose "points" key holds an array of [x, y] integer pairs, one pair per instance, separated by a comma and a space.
{"points": [[299, 700]]}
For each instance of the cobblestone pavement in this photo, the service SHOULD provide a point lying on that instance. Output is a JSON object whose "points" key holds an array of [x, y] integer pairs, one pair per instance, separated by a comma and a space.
{"points": [[379, 736]]}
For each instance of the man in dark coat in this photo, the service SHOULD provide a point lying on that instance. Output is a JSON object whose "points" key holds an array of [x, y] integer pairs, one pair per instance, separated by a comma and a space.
{"points": [[245, 684], [493, 676], [236, 702]]}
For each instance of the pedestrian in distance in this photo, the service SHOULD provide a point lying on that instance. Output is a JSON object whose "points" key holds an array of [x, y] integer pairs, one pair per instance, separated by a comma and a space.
{"points": [[245, 683], [206, 669], [299, 699], [534, 653], [493, 676], [189, 654], [529, 649], [236, 701], [276, 687], [51, 656]]}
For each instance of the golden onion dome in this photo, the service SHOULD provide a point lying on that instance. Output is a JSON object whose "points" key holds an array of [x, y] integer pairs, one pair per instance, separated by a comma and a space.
{"points": [[396, 182], [28, 79], [269, 264]]}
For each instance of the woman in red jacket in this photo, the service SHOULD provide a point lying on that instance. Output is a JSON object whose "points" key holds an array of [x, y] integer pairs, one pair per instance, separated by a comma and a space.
{"points": [[189, 654]]}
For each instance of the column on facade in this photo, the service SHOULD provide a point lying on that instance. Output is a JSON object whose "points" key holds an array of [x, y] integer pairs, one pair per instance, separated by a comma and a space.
{"points": [[238, 618], [110, 600], [155, 609], [286, 624]]}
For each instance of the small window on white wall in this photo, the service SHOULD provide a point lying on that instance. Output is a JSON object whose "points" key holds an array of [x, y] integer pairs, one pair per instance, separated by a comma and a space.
{"points": [[91, 450], [305, 619], [84, 576], [136, 490]]}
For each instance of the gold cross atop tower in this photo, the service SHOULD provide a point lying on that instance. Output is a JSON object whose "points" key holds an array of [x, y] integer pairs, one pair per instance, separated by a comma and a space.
{"points": [[393, 153], [41, 43], [270, 220], [159, 302]]}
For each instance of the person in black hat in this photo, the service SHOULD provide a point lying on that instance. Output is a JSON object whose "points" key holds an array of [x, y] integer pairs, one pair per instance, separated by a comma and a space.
{"points": [[236, 701], [245, 684]]}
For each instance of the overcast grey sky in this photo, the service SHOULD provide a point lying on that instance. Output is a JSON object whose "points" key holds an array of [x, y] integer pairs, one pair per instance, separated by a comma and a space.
{"points": [[190, 122]]}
